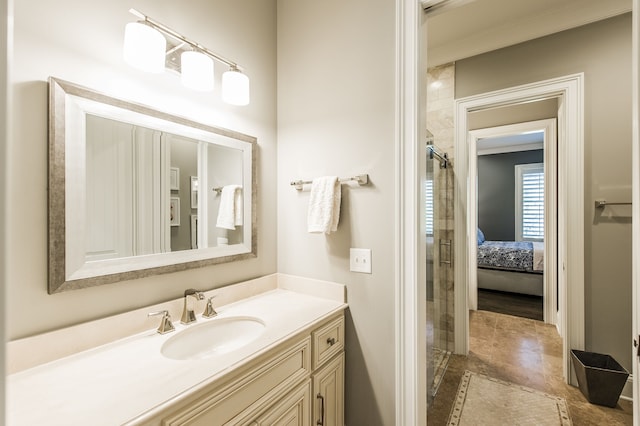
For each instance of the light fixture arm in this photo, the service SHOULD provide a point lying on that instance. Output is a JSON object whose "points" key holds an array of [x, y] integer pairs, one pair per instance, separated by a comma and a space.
{"points": [[174, 34]]}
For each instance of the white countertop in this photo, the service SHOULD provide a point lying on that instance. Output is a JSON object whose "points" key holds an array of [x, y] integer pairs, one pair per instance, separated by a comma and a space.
{"points": [[115, 383]]}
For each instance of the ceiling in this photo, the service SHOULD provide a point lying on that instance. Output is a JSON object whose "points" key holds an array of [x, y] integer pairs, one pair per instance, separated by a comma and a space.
{"points": [[518, 142], [459, 29]]}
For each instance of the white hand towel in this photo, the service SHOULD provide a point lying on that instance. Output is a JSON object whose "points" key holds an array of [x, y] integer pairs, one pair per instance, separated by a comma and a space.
{"points": [[324, 205], [230, 210]]}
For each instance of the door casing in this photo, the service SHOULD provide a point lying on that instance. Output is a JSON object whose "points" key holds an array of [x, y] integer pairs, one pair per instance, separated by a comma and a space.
{"points": [[548, 127], [569, 91]]}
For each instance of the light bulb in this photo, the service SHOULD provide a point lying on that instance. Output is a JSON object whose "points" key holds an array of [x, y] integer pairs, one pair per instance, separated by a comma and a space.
{"points": [[235, 87], [196, 71], [144, 47]]}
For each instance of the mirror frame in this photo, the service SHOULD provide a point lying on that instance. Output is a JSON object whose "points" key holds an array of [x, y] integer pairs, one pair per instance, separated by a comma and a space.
{"points": [[133, 267]]}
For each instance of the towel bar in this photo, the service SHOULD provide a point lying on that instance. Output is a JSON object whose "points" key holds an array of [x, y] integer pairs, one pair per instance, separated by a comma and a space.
{"points": [[601, 204], [361, 179]]}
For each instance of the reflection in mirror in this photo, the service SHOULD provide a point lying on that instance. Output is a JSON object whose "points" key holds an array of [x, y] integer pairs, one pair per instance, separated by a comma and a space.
{"points": [[126, 198]]}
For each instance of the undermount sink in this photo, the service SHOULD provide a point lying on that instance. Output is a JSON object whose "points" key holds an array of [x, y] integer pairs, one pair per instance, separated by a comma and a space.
{"points": [[214, 337]]}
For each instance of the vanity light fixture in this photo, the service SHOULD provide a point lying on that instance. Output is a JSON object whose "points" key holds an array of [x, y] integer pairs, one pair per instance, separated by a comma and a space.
{"points": [[192, 60], [196, 71], [144, 47], [235, 87]]}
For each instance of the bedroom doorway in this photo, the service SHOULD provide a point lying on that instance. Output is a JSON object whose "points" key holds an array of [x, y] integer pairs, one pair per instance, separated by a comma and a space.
{"points": [[568, 91], [514, 212]]}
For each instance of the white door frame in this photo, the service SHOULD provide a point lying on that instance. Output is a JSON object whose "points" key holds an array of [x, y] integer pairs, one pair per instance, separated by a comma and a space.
{"points": [[635, 142], [6, 47], [410, 242], [548, 127], [569, 91]]}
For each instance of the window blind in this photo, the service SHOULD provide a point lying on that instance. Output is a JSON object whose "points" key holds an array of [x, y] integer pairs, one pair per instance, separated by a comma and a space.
{"points": [[428, 188], [533, 205]]}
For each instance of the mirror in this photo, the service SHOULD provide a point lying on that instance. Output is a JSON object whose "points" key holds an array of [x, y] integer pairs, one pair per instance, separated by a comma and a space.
{"points": [[135, 192]]}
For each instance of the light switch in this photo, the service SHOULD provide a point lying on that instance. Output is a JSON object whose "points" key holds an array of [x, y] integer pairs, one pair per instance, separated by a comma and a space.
{"points": [[360, 260]]}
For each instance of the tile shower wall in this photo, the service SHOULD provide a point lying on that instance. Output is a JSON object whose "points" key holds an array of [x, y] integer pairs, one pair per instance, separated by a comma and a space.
{"points": [[440, 111]]}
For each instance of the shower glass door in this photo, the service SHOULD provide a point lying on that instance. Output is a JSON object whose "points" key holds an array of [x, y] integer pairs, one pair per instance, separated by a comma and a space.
{"points": [[438, 222], [429, 220]]}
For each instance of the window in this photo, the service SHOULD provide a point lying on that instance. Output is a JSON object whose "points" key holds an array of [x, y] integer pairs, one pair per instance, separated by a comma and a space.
{"points": [[530, 202], [428, 190]]}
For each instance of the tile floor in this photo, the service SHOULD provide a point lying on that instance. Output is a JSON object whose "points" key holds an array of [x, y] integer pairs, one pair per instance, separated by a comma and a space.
{"points": [[522, 351]]}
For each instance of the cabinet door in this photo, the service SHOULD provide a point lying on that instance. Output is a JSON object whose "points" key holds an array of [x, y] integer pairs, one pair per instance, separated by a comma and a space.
{"points": [[328, 391], [247, 394], [294, 409]]}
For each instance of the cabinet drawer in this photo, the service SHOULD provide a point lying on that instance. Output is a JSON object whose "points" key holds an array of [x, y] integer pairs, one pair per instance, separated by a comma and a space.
{"points": [[328, 340], [266, 380]]}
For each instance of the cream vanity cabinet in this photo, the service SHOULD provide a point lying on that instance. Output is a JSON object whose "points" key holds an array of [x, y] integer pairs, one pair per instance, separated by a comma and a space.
{"points": [[298, 382], [328, 376]]}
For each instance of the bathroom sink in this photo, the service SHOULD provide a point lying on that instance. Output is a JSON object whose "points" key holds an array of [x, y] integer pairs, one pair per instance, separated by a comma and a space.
{"points": [[214, 337]]}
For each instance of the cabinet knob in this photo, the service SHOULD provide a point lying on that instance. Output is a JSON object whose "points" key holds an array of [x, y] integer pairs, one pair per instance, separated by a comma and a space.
{"points": [[331, 341]]}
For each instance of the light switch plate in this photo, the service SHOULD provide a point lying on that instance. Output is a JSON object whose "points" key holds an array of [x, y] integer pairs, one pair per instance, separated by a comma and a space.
{"points": [[360, 260]]}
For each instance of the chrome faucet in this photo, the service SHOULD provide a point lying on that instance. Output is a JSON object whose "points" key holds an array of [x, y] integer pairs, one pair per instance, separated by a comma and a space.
{"points": [[188, 315]]}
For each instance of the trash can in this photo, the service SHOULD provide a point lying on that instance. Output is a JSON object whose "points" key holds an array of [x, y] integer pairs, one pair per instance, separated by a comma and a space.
{"points": [[600, 377]]}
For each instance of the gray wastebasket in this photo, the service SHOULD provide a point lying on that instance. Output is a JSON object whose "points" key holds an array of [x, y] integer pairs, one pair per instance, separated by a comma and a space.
{"points": [[600, 377]]}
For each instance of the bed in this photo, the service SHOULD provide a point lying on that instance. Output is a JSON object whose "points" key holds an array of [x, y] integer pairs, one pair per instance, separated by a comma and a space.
{"points": [[512, 266]]}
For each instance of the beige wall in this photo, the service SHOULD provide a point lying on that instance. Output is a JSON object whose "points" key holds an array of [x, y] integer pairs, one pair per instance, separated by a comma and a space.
{"points": [[81, 42], [603, 52], [512, 114], [336, 91]]}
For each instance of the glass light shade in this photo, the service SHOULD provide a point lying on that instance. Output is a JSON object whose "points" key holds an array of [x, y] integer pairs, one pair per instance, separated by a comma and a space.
{"points": [[144, 47], [196, 71], [235, 88]]}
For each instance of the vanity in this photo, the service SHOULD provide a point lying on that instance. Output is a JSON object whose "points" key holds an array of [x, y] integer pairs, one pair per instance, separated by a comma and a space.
{"points": [[289, 370], [123, 179]]}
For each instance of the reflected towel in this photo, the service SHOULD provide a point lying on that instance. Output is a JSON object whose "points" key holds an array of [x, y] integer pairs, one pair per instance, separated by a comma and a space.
{"points": [[230, 210], [324, 205]]}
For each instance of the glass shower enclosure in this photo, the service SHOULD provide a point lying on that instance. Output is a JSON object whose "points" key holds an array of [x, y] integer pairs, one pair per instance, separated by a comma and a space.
{"points": [[439, 273]]}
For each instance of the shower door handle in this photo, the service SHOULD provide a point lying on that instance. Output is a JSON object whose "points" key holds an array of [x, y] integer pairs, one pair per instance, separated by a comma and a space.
{"points": [[445, 260]]}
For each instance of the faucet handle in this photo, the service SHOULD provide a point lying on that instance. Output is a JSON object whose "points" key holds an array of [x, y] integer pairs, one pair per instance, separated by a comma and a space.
{"points": [[166, 325], [209, 312]]}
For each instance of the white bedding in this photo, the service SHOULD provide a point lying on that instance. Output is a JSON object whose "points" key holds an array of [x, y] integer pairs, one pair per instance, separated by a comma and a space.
{"points": [[538, 256]]}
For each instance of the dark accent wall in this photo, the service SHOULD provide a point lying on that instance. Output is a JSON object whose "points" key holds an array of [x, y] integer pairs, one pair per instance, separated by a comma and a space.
{"points": [[496, 192]]}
